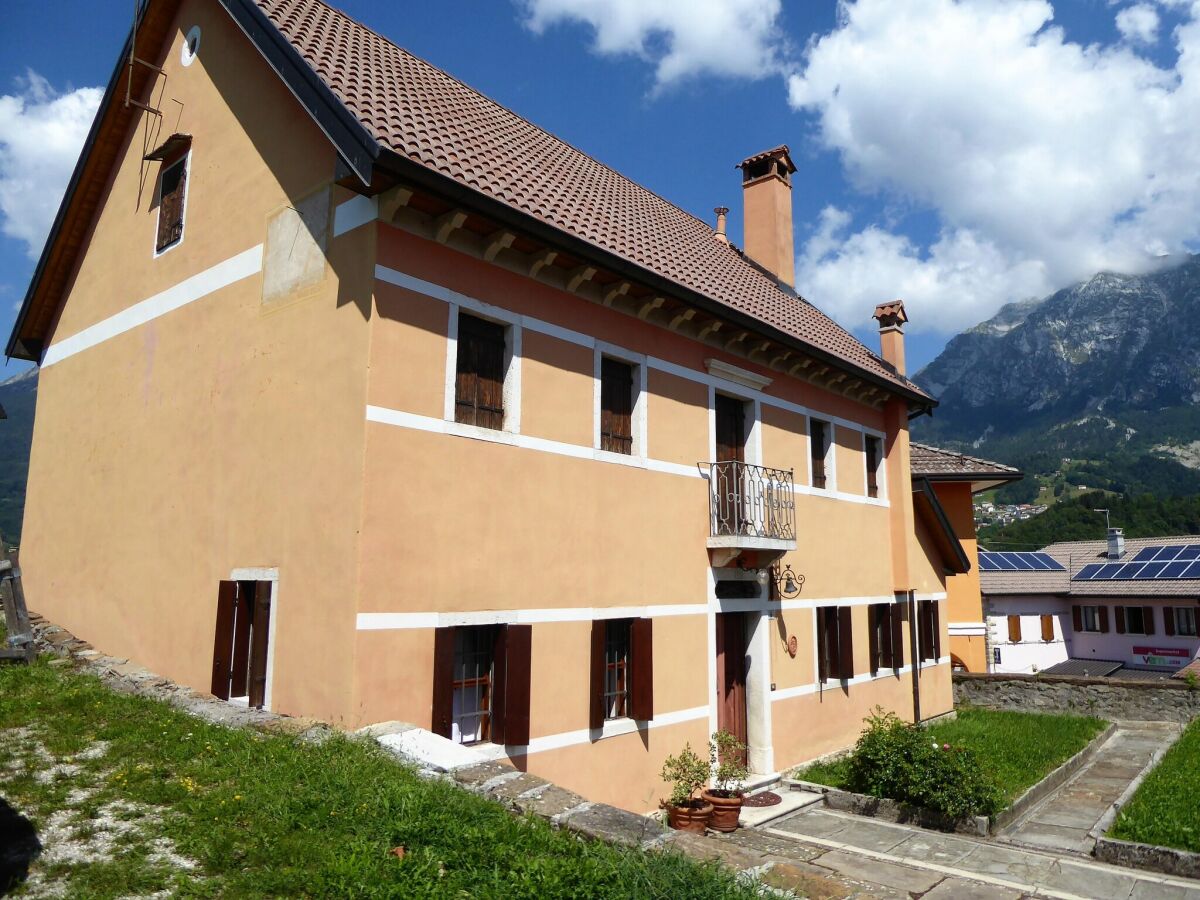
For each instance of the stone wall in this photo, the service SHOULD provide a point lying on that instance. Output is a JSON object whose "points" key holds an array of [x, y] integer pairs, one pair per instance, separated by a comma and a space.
{"points": [[1109, 698]]}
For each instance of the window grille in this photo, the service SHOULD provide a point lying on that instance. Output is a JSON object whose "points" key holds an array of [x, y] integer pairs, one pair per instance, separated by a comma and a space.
{"points": [[474, 677]]}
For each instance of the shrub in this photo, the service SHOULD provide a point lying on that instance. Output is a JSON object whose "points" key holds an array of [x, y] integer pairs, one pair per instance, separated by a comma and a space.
{"points": [[902, 762], [687, 773], [725, 754]]}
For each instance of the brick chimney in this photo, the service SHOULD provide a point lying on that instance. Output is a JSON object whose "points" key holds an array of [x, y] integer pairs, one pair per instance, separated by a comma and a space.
{"points": [[767, 219], [891, 318]]}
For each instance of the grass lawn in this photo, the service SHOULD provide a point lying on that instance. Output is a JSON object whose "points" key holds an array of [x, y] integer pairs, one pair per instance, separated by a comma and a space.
{"points": [[1017, 749], [1166, 808], [131, 796]]}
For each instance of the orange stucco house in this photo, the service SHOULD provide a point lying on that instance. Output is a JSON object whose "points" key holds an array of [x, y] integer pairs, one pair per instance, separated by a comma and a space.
{"points": [[366, 399]]}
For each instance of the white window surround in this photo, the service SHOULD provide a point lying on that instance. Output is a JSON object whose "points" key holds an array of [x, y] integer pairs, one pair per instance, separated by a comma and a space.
{"points": [[191, 46], [512, 369], [269, 574], [721, 369], [640, 398], [186, 162], [754, 455], [880, 466]]}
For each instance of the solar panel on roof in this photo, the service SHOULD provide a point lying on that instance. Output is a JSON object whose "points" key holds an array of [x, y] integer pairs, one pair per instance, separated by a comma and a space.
{"points": [[1088, 571], [1146, 554], [1174, 569], [1129, 570], [1107, 572], [1193, 570], [1002, 563], [1168, 553], [1192, 551], [1150, 570], [986, 564], [1014, 558], [1049, 562]]}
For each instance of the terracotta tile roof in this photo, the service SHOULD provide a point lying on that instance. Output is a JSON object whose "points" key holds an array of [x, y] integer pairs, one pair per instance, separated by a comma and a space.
{"points": [[933, 461], [422, 113], [997, 584]]}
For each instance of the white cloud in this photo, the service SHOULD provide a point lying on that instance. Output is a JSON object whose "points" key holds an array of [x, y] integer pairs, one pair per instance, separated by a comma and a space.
{"points": [[738, 38], [1138, 24], [1044, 160], [41, 133]]}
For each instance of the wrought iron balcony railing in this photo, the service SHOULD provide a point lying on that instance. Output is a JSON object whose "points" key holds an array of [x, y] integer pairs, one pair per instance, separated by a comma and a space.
{"points": [[751, 502]]}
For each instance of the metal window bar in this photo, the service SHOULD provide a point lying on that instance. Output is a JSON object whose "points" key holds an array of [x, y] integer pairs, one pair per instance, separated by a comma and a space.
{"points": [[751, 501], [616, 669], [473, 675]]}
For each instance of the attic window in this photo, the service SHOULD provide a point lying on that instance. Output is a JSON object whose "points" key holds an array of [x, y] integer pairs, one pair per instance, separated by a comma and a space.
{"points": [[172, 194], [191, 46]]}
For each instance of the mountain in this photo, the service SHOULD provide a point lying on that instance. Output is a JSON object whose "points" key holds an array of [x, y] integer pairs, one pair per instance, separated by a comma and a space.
{"points": [[17, 395], [1106, 371]]}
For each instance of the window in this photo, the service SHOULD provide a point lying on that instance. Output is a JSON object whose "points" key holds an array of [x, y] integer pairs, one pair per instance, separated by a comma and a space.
{"points": [[479, 379], [1135, 620], [1090, 619], [1180, 620], [886, 634], [818, 444], [1014, 629], [1048, 628], [996, 656], [172, 192], [929, 631], [835, 642], [616, 406], [622, 678], [481, 683], [874, 451]]}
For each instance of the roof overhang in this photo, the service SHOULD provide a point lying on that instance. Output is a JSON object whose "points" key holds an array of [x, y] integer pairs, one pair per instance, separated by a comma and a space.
{"points": [[929, 509], [979, 481]]}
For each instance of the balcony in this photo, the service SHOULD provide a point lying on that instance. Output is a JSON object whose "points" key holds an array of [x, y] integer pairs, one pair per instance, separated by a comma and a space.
{"points": [[750, 509]]}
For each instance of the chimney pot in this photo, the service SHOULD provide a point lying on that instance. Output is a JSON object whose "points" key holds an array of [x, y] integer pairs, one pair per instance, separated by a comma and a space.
{"points": [[722, 212], [891, 318], [767, 221], [1116, 543]]}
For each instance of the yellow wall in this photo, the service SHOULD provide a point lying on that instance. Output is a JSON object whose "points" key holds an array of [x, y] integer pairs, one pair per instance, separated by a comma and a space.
{"points": [[965, 602]]}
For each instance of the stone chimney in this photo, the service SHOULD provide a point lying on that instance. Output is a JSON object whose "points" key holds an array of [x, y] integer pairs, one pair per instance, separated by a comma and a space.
{"points": [[767, 225], [1116, 543], [891, 318], [722, 212]]}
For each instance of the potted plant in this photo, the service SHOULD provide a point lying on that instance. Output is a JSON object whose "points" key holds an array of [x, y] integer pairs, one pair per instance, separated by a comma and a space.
{"points": [[687, 773], [727, 757]]}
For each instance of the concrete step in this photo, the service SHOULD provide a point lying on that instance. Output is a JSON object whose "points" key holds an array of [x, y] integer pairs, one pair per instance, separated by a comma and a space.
{"points": [[758, 816], [756, 782]]}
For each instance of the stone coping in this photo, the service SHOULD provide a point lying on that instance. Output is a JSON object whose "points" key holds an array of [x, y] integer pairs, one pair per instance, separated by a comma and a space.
{"points": [[1166, 860], [1169, 684]]}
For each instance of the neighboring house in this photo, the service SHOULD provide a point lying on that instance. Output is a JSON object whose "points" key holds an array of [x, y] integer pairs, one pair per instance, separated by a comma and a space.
{"points": [[1095, 607], [955, 478], [366, 399]]}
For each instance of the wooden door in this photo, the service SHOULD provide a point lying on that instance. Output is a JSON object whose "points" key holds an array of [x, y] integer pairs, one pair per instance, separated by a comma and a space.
{"points": [[731, 429], [260, 631], [731, 447], [731, 675]]}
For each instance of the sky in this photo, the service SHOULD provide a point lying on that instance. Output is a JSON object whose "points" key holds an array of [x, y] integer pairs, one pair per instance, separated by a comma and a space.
{"points": [[956, 154]]}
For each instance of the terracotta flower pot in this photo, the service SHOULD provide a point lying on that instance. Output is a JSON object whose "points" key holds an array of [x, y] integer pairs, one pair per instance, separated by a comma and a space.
{"points": [[692, 816], [726, 810]]}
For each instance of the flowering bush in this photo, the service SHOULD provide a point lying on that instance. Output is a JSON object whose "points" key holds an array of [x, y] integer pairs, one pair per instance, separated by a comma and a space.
{"points": [[898, 760]]}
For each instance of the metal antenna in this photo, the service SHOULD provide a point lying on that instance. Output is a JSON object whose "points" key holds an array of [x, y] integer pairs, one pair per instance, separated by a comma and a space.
{"points": [[1107, 523]]}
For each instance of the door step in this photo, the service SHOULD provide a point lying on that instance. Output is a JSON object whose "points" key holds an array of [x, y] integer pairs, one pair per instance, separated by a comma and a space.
{"points": [[757, 782]]}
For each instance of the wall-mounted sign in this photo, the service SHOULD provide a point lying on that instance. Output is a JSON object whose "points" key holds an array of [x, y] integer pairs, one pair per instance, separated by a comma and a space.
{"points": [[1162, 656]]}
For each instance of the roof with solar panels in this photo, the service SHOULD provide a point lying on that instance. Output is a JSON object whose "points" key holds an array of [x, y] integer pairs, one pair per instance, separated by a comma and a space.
{"points": [[1149, 567]]}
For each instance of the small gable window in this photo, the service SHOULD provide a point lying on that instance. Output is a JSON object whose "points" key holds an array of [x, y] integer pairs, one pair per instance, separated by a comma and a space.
{"points": [[172, 194]]}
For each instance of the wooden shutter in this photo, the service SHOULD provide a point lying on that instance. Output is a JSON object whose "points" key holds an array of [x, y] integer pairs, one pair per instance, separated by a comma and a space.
{"points": [[1014, 629], [1077, 618], [223, 641], [241, 638], [519, 651], [872, 449], [1148, 619], [1168, 621], [816, 449], [443, 681], [731, 429], [172, 189], [616, 406], [845, 642], [497, 731], [596, 711], [1102, 613], [641, 660], [1120, 614], [897, 620], [259, 634], [822, 646], [1047, 628], [936, 619], [874, 614], [479, 379]]}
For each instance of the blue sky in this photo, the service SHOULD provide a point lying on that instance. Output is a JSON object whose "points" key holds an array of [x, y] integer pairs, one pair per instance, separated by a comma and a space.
{"points": [[956, 153]]}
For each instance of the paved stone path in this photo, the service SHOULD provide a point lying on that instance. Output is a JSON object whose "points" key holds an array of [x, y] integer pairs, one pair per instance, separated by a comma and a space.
{"points": [[908, 860], [1064, 820]]}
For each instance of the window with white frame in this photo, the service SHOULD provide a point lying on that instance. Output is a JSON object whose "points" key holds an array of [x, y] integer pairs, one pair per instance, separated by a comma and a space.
{"points": [[1185, 620], [479, 372], [172, 196], [1090, 618]]}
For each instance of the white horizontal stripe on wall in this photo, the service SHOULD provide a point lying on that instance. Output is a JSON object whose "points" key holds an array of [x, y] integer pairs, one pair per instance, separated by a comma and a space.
{"points": [[408, 621], [967, 629], [200, 285], [354, 212]]}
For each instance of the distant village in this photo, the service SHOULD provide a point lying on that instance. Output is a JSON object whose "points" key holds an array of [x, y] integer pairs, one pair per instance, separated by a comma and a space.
{"points": [[989, 513]]}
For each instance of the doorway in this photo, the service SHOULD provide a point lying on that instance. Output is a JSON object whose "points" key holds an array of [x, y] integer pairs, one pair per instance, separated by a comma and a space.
{"points": [[731, 675], [731, 449], [240, 647]]}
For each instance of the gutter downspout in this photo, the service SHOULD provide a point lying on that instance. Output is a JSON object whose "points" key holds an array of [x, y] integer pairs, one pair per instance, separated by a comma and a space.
{"points": [[914, 641]]}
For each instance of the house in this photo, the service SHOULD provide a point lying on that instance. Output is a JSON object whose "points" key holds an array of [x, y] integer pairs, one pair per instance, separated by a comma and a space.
{"points": [[1117, 607], [955, 478], [366, 399]]}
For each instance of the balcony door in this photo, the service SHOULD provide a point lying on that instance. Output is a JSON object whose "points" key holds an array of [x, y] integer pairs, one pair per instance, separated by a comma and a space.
{"points": [[731, 449]]}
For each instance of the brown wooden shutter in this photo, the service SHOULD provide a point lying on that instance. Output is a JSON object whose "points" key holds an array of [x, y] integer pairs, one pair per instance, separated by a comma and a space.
{"points": [[897, 638], [874, 614], [1077, 618], [497, 731], [641, 659], [872, 467], [172, 189], [822, 646], [1148, 619], [596, 709], [443, 682], [1102, 611], [845, 642], [1120, 614], [816, 441], [936, 617], [1047, 628], [1014, 629], [241, 638], [730, 415], [616, 406], [223, 641], [1168, 621], [479, 378], [519, 651], [259, 634]]}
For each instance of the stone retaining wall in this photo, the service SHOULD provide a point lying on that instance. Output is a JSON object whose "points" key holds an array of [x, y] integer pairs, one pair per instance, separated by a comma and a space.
{"points": [[1108, 698]]}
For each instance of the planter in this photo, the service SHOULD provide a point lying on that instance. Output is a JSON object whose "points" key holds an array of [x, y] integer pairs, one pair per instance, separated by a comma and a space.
{"points": [[726, 810], [692, 816]]}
